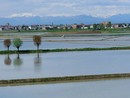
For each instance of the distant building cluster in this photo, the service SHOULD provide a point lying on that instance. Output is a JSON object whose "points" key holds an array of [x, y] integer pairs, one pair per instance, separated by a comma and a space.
{"points": [[99, 26]]}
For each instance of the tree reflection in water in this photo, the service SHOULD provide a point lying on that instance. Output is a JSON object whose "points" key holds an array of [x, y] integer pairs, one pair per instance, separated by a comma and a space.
{"points": [[38, 62], [18, 61], [7, 60]]}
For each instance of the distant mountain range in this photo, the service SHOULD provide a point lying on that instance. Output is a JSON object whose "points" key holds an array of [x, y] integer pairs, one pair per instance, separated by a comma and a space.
{"points": [[121, 18]]}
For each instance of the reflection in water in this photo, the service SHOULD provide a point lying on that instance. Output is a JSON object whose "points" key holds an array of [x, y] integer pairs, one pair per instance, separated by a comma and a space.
{"points": [[37, 62], [7, 60], [18, 61]]}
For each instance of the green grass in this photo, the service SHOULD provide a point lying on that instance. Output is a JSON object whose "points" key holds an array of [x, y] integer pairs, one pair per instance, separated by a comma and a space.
{"points": [[109, 30], [70, 30], [54, 30], [116, 30], [32, 81], [63, 50]]}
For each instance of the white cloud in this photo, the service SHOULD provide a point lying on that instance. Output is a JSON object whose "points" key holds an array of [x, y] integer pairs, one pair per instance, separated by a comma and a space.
{"points": [[21, 15], [97, 8], [123, 0], [103, 11]]}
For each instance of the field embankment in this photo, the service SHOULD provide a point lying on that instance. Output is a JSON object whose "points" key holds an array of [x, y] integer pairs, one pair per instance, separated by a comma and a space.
{"points": [[16, 82], [62, 50]]}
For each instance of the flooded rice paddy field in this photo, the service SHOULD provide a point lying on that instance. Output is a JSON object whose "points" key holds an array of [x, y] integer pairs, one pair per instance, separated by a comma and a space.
{"points": [[64, 64], [73, 42], [93, 89], [60, 64]]}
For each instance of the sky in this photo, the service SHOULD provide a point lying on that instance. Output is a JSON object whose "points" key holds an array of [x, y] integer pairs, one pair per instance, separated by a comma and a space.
{"points": [[96, 8]]}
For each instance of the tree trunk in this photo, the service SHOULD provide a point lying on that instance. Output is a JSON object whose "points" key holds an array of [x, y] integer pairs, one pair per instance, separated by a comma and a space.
{"points": [[37, 47], [8, 48], [18, 49]]}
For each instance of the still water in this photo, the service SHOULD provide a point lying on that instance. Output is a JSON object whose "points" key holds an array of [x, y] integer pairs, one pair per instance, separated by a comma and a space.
{"points": [[73, 42], [93, 89], [64, 64]]}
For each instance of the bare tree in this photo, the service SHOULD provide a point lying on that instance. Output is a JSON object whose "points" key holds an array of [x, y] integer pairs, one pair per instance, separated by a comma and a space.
{"points": [[7, 43], [37, 41]]}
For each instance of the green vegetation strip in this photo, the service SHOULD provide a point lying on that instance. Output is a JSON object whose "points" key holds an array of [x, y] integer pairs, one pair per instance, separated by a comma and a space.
{"points": [[63, 50], [17, 82]]}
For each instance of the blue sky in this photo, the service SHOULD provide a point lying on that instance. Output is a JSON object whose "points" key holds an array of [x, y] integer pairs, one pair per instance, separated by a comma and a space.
{"points": [[96, 8]]}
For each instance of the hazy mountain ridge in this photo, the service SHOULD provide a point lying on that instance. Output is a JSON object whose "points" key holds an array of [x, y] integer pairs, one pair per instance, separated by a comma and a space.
{"points": [[121, 18]]}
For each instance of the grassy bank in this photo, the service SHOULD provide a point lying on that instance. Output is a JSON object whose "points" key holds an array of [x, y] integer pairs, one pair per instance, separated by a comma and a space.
{"points": [[54, 31], [107, 30], [15, 82], [116, 30], [63, 50]]}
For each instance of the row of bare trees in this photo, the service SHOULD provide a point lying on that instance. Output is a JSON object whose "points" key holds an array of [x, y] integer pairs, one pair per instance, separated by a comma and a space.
{"points": [[17, 42]]}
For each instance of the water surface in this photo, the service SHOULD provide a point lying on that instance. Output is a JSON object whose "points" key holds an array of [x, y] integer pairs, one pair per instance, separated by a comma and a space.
{"points": [[73, 42], [64, 64], [93, 89]]}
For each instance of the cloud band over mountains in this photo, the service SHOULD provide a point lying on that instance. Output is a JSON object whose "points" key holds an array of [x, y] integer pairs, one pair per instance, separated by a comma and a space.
{"points": [[96, 8]]}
